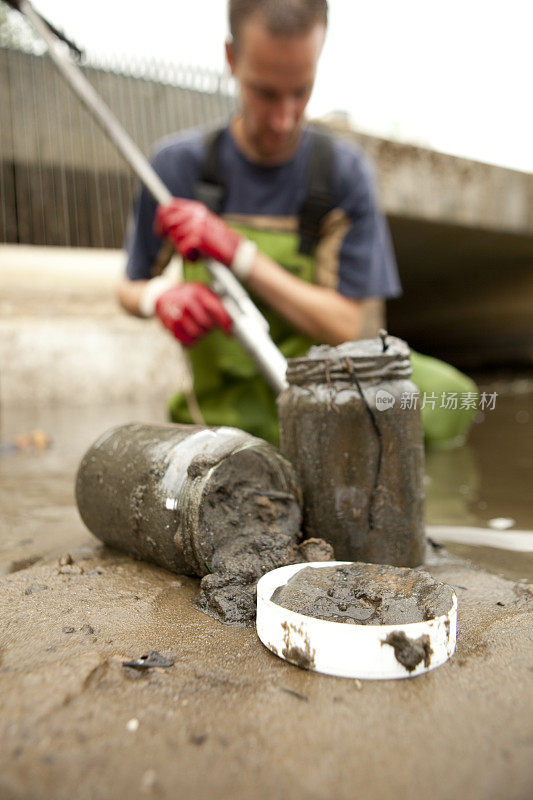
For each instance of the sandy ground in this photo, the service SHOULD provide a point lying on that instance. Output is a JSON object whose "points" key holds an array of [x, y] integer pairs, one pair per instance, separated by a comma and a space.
{"points": [[228, 719]]}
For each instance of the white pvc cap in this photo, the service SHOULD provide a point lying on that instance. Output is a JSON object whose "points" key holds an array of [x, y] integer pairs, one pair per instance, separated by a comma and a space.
{"points": [[343, 649]]}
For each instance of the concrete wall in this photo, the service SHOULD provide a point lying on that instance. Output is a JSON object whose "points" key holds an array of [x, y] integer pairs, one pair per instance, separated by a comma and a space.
{"points": [[418, 183], [64, 341]]}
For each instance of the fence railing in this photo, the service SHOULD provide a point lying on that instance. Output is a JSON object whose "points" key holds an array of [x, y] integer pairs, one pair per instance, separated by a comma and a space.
{"points": [[61, 181]]}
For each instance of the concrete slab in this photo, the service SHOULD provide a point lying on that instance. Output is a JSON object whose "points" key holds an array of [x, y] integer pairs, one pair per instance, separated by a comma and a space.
{"points": [[64, 339]]}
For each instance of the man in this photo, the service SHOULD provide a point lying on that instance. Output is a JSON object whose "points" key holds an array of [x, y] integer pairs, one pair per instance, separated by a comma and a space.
{"points": [[297, 221]]}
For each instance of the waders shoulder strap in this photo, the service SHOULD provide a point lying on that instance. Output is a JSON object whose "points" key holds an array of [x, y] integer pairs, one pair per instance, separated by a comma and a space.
{"points": [[211, 188], [318, 201]]}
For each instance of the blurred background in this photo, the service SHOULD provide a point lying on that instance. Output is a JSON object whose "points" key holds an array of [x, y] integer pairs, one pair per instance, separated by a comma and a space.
{"points": [[436, 94]]}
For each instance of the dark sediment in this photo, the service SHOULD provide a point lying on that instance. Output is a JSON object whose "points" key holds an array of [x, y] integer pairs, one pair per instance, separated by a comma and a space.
{"points": [[230, 593], [316, 550], [365, 594], [261, 532], [244, 530], [410, 652]]}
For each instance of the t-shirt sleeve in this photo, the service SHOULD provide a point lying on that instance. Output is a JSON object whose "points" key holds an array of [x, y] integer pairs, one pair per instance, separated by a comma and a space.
{"points": [[367, 265], [141, 244], [177, 165]]}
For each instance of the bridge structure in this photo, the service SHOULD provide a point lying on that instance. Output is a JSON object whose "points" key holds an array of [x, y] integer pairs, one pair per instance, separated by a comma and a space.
{"points": [[463, 236]]}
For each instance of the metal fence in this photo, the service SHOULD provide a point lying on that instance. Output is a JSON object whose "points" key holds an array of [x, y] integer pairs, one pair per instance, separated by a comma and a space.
{"points": [[61, 181]]}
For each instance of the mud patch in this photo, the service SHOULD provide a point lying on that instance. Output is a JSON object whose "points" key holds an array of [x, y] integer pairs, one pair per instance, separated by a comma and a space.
{"points": [[365, 594], [150, 660], [410, 652], [296, 647], [244, 531], [229, 594], [23, 563]]}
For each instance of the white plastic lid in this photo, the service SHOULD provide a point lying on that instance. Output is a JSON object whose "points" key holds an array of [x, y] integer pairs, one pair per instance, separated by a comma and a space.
{"points": [[347, 650]]}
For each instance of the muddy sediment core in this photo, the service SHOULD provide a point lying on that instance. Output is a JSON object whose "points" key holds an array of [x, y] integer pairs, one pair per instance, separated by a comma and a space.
{"points": [[212, 502], [365, 594], [350, 424], [245, 531]]}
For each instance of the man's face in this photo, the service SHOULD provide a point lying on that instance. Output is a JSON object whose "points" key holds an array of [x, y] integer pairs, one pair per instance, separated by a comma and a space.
{"points": [[276, 76]]}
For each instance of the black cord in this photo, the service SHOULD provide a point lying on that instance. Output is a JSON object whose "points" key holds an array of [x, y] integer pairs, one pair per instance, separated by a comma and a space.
{"points": [[73, 48], [380, 445]]}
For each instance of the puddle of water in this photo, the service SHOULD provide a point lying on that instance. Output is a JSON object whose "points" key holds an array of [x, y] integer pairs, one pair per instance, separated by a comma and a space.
{"points": [[513, 566], [491, 476], [38, 515]]}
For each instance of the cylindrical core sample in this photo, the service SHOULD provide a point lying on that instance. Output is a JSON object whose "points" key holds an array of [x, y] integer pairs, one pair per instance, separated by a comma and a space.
{"points": [[180, 495], [350, 423]]}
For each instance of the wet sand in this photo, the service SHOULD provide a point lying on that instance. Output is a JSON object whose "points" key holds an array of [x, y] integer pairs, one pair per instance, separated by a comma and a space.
{"points": [[228, 719]]}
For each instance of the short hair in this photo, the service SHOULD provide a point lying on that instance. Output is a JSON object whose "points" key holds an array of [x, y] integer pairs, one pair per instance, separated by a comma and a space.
{"points": [[282, 17]]}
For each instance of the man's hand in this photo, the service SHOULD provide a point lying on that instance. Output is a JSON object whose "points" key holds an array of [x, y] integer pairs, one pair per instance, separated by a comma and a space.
{"points": [[191, 310], [197, 232]]}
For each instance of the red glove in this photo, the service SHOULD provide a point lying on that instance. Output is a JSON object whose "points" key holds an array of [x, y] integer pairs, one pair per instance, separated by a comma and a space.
{"points": [[191, 310], [197, 232]]}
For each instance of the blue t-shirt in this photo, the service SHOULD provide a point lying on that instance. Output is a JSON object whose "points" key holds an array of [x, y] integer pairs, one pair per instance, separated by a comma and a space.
{"points": [[366, 263]]}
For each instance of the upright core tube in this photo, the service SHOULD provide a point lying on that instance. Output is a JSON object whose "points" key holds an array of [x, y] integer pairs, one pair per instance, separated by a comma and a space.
{"points": [[350, 423]]}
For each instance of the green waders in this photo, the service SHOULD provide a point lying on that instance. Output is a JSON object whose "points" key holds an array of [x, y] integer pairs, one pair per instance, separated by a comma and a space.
{"points": [[230, 390], [448, 400]]}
